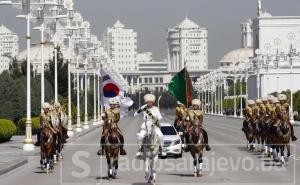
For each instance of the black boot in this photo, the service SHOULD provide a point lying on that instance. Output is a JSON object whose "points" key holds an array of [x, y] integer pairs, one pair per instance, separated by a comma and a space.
{"points": [[187, 147], [207, 147], [122, 150], [101, 151], [37, 143], [292, 133]]}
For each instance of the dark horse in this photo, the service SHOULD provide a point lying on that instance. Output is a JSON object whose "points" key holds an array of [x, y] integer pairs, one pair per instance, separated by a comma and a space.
{"points": [[47, 148], [112, 148], [196, 145], [282, 137]]}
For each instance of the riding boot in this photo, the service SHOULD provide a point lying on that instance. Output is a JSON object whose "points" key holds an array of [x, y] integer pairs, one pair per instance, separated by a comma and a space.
{"points": [[122, 150], [294, 138], [37, 143], [101, 151], [187, 147], [206, 140]]}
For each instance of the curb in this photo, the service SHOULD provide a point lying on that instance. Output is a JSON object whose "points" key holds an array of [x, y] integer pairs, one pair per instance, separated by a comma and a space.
{"points": [[14, 166], [21, 162]]}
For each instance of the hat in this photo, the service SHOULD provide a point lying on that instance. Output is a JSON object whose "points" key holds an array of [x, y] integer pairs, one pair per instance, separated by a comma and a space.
{"points": [[258, 101], [46, 105], [282, 97], [275, 100], [270, 97], [251, 102], [149, 97], [112, 101], [264, 99], [57, 104], [196, 102]]}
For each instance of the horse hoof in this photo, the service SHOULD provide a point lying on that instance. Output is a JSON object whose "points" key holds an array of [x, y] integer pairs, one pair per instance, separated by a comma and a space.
{"points": [[199, 174], [195, 174]]}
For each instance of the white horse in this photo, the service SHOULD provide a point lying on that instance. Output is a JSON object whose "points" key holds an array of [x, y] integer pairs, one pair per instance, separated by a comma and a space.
{"points": [[150, 146]]}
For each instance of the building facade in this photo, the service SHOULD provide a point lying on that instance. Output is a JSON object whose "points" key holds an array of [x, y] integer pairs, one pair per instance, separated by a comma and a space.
{"points": [[9, 47], [121, 45], [187, 44]]}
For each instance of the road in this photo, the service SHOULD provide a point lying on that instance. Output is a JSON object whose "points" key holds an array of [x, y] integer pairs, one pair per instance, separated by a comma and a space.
{"points": [[229, 162]]}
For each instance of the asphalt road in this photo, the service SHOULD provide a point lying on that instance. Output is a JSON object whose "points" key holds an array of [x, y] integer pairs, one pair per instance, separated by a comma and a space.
{"points": [[229, 162]]}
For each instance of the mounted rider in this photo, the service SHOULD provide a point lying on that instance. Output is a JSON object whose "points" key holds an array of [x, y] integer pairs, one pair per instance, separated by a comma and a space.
{"points": [[45, 121], [62, 120], [284, 107], [248, 114], [181, 112], [152, 117], [196, 115], [112, 114]]}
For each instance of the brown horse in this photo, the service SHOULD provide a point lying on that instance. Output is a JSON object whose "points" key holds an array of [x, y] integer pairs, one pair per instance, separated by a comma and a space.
{"points": [[282, 137], [196, 145], [179, 125], [112, 148], [47, 148]]}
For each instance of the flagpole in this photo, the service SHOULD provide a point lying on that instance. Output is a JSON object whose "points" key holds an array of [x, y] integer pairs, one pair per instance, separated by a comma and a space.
{"points": [[101, 92], [186, 85]]}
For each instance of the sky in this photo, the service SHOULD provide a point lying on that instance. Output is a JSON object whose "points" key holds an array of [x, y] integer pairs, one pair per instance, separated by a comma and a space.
{"points": [[151, 18]]}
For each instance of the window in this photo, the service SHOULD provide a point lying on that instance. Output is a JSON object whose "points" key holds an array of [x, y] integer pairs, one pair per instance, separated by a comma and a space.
{"points": [[146, 80], [150, 80], [156, 80]]}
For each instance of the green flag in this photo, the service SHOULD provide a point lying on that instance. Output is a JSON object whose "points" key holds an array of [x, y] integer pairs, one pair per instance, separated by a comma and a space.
{"points": [[180, 87]]}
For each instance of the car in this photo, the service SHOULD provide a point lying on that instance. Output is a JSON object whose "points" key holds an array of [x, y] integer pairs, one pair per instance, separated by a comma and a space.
{"points": [[172, 142]]}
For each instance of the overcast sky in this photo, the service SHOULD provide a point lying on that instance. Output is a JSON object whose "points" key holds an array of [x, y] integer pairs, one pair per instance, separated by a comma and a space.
{"points": [[151, 18]]}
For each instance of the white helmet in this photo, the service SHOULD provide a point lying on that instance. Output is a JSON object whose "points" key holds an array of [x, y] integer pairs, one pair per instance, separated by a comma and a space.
{"points": [[112, 101], [46, 105], [149, 97], [282, 97], [270, 97], [251, 102], [275, 100], [57, 105], [258, 101], [264, 99], [196, 102]]}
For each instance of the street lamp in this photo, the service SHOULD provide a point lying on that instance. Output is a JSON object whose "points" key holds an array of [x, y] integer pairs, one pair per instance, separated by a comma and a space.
{"points": [[85, 124]]}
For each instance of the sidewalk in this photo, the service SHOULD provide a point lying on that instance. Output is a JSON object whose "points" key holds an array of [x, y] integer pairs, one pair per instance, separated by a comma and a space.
{"points": [[12, 155]]}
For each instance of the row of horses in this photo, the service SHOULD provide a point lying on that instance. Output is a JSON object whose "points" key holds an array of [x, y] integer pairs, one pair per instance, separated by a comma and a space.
{"points": [[271, 134], [51, 145]]}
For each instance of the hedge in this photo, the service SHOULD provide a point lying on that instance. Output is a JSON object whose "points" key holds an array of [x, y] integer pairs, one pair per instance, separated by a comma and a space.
{"points": [[7, 130], [22, 125]]}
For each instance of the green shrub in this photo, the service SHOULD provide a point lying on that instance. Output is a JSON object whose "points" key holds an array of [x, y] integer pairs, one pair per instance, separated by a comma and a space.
{"points": [[34, 126], [7, 130]]}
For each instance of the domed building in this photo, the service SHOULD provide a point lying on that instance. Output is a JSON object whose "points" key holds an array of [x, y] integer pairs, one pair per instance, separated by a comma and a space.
{"points": [[242, 55], [36, 55]]}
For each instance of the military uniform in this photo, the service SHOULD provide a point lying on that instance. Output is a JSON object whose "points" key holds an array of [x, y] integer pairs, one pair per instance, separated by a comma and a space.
{"points": [[111, 116], [196, 115]]}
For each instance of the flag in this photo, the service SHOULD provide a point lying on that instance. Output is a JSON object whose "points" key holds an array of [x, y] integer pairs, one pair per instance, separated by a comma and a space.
{"points": [[180, 87], [113, 88]]}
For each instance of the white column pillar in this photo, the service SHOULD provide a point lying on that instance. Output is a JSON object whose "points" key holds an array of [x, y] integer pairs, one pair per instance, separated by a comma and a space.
{"points": [[81, 82], [241, 98], [78, 125], [95, 109], [28, 142], [85, 125], [234, 91], [70, 130]]}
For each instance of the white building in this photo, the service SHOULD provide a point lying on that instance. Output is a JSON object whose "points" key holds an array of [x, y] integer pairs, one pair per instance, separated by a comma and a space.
{"points": [[187, 43], [273, 39], [154, 75], [121, 45], [9, 47]]}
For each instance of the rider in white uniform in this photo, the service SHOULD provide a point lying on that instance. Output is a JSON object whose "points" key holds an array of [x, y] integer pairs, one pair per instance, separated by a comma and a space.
{"points": [[151, 117]]}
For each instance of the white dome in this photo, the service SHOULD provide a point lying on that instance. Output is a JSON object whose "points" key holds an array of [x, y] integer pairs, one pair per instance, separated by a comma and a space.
{"points": [[36, 55], [186, 24], [237, 56]]}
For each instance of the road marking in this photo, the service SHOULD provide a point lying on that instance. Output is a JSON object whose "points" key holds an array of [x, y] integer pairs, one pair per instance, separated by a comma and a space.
{"points": [[294, 157]]}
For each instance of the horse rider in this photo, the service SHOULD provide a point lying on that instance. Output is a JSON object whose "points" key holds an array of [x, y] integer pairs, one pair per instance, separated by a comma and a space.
{"points": [[45, 121], [112, 114], [181, 112], [62, 120], [284, 107], [248, 114], [196, 114], [152, 116]]}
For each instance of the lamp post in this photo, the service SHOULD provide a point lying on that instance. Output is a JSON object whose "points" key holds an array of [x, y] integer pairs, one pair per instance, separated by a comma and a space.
{"points": [[291, 56], [241, 97], [85, 125], [95, 110], [78, 125], [234, 95], [26, 5]]}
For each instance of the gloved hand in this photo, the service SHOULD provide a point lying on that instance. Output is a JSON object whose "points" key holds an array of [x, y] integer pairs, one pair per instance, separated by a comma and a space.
{"points": [[135, 114], [142, 108]]}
